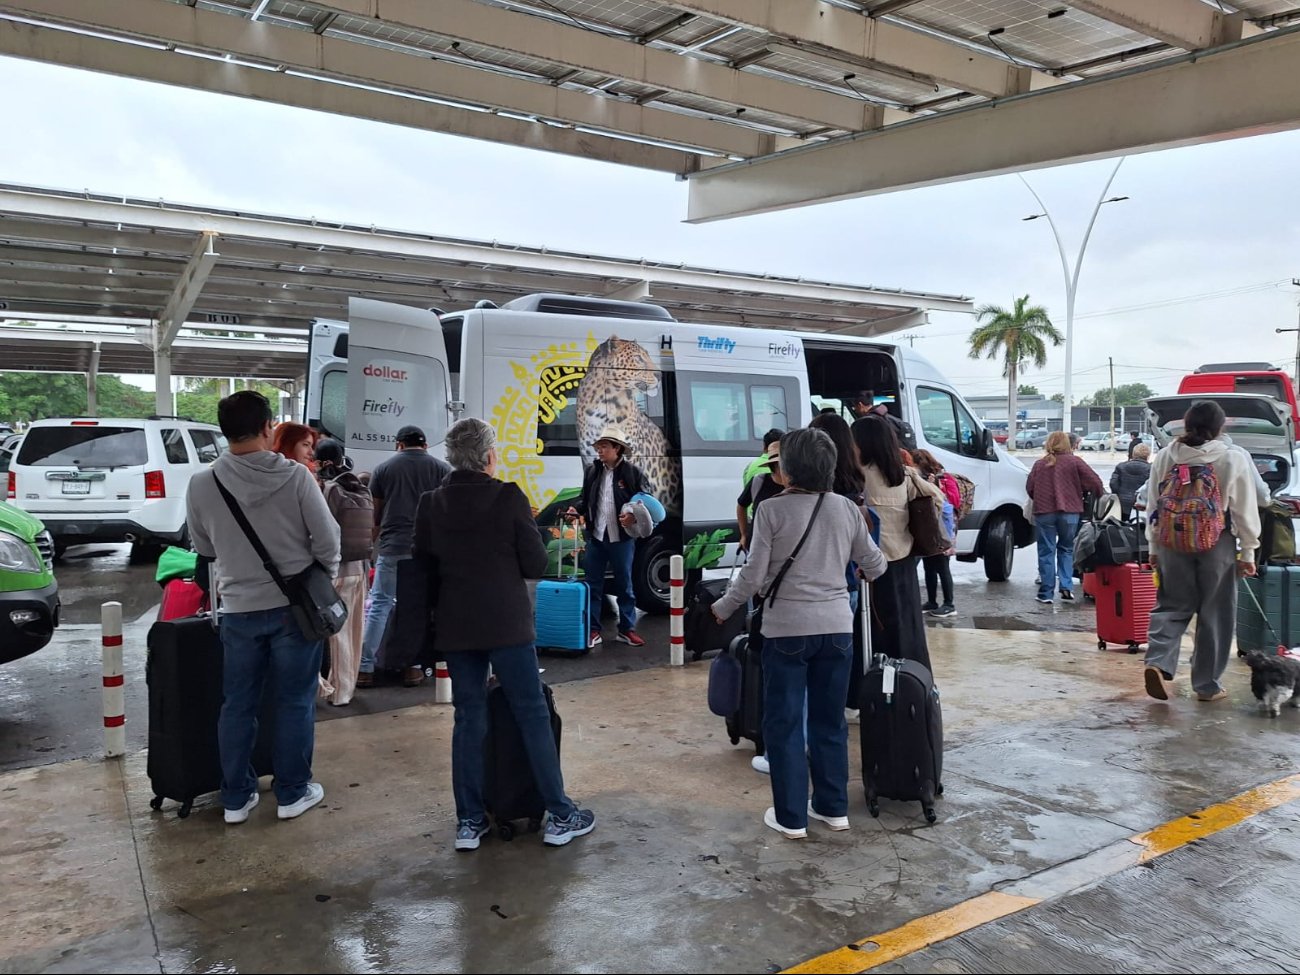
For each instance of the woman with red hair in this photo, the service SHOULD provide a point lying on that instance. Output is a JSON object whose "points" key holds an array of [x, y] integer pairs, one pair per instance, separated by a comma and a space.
{"points": [[296, 441]]}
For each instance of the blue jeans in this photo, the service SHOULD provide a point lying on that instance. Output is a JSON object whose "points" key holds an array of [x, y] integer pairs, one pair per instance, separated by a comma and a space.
{"points": [[1056, 533], [516, 669], [599, 556], [256, 646], [383, 596], [817, 666]]}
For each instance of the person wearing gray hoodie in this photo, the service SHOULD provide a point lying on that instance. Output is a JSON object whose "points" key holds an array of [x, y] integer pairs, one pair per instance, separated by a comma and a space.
{"points": [[1201, 583], [259, 635]]}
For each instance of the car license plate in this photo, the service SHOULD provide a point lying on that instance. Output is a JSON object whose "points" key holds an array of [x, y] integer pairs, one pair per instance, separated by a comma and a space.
{"points": [[76, 487]]}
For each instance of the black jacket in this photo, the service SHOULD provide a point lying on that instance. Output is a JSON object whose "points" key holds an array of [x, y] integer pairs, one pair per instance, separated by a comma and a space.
{"points": [[480, 536], [1127, 478], [628, 480]]}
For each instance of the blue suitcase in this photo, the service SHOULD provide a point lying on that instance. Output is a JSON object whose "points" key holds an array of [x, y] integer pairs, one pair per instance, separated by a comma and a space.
{"points": [[563, 616]]}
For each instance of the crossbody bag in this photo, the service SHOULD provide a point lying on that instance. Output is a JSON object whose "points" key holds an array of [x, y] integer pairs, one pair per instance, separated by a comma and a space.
{"points": [[316, 605]]}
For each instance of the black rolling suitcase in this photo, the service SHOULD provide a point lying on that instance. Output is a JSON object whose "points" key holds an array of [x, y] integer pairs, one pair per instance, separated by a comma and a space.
{"points": [[509, 790], [703, 632], [184, 671], [747, 721], [901, 730]]}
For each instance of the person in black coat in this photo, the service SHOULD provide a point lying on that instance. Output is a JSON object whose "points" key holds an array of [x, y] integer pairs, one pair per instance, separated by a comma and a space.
{"points": [[606, 486], [481, 545], [1129, 476]]}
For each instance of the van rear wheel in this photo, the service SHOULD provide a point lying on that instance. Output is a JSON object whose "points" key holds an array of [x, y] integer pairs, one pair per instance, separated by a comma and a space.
{"points": [[651, 575], [999, 549]]}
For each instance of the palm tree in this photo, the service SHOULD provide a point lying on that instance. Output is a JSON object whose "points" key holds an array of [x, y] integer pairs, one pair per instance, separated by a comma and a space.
{"points": [[1019, 335]]}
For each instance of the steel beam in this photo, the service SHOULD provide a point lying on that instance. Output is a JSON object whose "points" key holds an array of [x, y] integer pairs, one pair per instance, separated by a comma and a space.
{"points": [[323, 94], [1247, 88], [185, 293], [636, 291], [195, 28], [1188, 24], [575, 47], [871, 44]]}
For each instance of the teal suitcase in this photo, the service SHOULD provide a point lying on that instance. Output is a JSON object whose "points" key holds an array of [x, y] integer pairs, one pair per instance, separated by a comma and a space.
{"points": [[1268, 609]]}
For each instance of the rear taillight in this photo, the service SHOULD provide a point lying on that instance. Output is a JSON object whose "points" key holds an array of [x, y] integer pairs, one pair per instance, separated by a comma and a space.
{"points": [[13, 485], [154, 485]]}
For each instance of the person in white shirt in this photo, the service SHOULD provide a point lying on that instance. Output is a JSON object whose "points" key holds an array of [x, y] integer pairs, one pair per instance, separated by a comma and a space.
{"points": [[606, 487]]}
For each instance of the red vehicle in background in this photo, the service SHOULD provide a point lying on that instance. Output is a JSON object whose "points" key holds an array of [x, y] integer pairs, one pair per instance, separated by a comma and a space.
{"points": [[1258, 378]]}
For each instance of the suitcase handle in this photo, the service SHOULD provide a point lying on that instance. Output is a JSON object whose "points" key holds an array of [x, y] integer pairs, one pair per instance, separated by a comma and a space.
{"points": [[559, 566]]}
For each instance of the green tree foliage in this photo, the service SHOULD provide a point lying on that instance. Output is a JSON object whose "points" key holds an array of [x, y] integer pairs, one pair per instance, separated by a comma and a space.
{"points": [[27, 396], [1129, 394], [1027, 390], [1018, 335]]}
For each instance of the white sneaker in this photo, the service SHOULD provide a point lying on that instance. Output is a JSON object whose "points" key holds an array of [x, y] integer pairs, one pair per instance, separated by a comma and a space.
{"points": [[834, 822], [315, 793], [853, 716], [236, 816], [769, 819], [760, 764]]}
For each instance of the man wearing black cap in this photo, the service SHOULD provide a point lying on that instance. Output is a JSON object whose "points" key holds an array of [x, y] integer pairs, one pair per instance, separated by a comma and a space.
{"points": [[396, 486]]}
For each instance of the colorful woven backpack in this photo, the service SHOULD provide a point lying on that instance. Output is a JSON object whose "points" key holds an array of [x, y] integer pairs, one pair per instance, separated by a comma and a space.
{"points": [[1189, 509]]}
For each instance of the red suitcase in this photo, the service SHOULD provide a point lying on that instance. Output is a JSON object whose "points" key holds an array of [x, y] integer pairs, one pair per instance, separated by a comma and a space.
{"points": [[1126, 595], [1090, 585], [181, 599]]}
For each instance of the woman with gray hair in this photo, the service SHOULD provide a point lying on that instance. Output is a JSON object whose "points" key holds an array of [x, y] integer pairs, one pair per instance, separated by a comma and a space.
{"points": [[802, 539], [481, 544]]}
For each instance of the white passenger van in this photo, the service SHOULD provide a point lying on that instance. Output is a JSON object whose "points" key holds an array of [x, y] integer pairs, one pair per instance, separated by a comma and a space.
{"points": [[548, 372]]}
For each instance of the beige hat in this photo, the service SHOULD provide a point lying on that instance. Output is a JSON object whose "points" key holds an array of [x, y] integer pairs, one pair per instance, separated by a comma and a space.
{"points": [[613, 434], [774, 450]]}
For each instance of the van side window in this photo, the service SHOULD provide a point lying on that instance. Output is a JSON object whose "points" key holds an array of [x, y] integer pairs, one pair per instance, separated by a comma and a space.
{"points": [[174, 446], [334, 403], [720, 411], [938, 418], [727, 414]]}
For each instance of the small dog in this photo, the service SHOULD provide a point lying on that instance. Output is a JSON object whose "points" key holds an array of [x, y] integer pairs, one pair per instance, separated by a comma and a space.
{"points": [[1274, 679]]}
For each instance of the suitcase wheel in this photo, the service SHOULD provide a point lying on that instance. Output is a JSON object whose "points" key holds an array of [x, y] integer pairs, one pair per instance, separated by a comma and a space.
{"points": [[156, 803], [506, 832], [873, 807], [928, 792], [1132, 647], [184, 811], [1101, 644], [735, 739], [930, 814]]}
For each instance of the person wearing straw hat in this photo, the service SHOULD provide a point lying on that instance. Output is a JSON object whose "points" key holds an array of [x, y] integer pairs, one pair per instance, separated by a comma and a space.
{"points": [[606, 487]]}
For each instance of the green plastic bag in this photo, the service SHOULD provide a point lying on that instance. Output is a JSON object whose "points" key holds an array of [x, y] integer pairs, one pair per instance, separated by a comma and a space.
{"points": [[176, 563]]}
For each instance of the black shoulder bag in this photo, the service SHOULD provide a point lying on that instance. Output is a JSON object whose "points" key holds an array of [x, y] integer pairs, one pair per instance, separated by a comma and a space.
{"points": [[316, 605], [770, 597]]}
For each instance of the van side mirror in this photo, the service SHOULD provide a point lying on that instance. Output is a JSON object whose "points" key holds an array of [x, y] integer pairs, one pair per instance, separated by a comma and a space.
{"points": [[984, 443]]}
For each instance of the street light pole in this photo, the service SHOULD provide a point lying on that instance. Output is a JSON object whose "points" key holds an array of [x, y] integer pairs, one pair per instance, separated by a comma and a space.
{"points": [[1072, 278]]}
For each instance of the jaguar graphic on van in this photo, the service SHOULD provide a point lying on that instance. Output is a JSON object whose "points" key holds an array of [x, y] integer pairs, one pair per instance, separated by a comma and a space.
{"points": [[695, 401]]}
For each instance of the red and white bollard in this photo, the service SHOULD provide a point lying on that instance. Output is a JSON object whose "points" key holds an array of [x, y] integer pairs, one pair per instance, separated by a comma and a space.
{"points": [[114, 692], [441, 683], [677, 611]]}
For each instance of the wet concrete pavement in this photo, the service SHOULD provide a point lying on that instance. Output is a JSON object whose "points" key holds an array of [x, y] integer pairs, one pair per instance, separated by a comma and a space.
{"points": [[50, 701], [1053, 753]]}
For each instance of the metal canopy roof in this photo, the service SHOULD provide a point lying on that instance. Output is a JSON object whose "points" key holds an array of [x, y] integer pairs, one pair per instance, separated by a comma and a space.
{"points": [[94, 257], [39, 347], [699, 87]]}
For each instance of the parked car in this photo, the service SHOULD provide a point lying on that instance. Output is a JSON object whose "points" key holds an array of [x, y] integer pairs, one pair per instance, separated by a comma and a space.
{"points": [[112, 480], [1097, 441], [29, 595], [9, 450], [1031, 439]]}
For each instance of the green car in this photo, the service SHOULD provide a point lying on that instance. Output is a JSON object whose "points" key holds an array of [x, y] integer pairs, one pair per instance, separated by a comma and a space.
{"points": [[29, 596]]}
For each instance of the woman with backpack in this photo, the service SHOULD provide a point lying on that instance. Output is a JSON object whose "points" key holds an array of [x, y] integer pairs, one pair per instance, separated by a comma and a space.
{"points": [[1056, 486], [1204, 532], [938, 568], [350, 503]]}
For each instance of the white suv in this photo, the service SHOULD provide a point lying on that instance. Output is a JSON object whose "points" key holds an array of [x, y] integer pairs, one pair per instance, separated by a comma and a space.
{"points": [[108, 480]]}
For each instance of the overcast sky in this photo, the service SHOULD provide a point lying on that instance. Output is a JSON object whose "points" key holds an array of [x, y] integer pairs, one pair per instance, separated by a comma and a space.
{"points": [[1217, 221]]}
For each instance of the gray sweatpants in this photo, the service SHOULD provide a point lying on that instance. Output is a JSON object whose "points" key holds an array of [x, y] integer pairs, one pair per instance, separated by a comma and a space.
{"points": [[1204, 585]]}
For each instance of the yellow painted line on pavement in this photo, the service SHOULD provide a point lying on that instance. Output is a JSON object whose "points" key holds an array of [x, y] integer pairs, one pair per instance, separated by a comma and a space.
{"points": [[869, 953], [1212, 819], [915, 935]]}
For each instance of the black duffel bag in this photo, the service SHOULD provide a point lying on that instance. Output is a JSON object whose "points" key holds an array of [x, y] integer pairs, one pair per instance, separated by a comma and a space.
{"points": [[1119, 544]]}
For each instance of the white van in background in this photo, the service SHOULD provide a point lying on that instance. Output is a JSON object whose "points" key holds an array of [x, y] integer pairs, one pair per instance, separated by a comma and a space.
{"points": [[549, 371]]}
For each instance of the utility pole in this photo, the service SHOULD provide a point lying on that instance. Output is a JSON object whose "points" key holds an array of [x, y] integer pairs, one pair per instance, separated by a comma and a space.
{"points": [[911, 339], [1111, 432], [1296, 283]]}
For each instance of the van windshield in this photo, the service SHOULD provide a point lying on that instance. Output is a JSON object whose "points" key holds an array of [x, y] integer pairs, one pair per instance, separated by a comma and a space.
{"points": [[84, 447]]}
